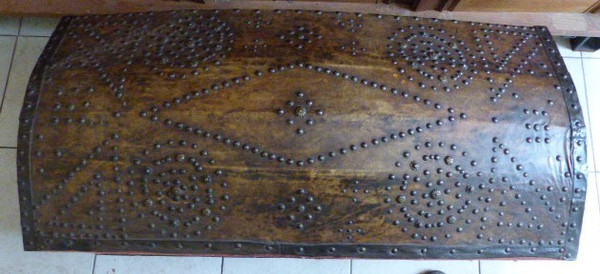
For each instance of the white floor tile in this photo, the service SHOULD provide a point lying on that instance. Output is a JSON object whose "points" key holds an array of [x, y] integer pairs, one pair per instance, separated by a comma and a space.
{"points": [[285, 265], [564, 47], [38, 26], [7, 46], [26, 54], [591, 68], [587, 259], [414, 266], [108, 264], [9, 25], [595, 54], [575, 67], [597, 176], [12, 257]]}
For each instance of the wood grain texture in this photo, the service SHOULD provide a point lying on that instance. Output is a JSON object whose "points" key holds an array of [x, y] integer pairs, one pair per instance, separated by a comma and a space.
{"points": [[429, 5], [594, 8], [525, 5], [68, 7], [560, 24], [301, 134]]}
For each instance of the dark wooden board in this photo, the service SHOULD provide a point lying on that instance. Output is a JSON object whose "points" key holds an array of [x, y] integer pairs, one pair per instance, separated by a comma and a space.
{"points": [[529, 5], [559, 23], [295, 133]]}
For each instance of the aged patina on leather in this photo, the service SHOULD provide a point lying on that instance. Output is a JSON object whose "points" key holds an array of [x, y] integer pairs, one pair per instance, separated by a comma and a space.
{"points": [[301, 133]]}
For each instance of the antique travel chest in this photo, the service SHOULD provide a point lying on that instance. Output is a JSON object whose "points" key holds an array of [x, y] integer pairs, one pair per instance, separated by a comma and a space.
{"points": [[301, 133]]}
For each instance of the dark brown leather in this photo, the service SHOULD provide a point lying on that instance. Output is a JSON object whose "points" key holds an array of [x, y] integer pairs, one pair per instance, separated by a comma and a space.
{"points": [[288, 133]]}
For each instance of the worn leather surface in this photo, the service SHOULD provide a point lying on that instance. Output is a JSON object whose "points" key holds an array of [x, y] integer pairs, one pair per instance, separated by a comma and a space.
{"points": [[288, 133]]}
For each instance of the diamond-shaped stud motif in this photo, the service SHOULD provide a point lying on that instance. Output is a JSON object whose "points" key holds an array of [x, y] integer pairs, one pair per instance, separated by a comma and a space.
{"points": [[299, 112]]}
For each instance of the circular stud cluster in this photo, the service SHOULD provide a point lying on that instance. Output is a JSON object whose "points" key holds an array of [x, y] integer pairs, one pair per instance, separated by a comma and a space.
{"points": [[300, 209], [299, 112]]}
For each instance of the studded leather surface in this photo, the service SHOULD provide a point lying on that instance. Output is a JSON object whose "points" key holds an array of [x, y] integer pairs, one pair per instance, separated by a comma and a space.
{"points": [[297, 133]]}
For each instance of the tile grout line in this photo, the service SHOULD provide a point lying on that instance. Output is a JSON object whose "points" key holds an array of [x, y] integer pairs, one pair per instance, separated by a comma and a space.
{"points": [[479, 266], [94, 266], [597, 191], [351, 262], [47, 36], [20, 24], [587, 107], [4, 147], [222, 264], [12, 58]]}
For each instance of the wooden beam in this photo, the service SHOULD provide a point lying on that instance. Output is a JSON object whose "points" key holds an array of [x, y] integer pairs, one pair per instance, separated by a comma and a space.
{"points": [[439, 5], [595, 8], [524, 5], [450, 5], [423, 5], [563, 24]]}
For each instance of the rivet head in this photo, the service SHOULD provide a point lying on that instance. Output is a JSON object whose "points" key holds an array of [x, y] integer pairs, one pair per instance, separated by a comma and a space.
{"points": [[300, 111], [401, 199], [414, 165], [435, 194], [451, 219], [449, 160]]}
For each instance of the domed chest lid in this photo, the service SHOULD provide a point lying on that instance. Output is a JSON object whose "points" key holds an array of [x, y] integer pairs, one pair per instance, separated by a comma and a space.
{"points": [[288, 133]]}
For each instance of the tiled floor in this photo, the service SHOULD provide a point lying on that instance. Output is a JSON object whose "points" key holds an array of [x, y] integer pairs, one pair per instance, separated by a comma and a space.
{"points": [[21, 42]]}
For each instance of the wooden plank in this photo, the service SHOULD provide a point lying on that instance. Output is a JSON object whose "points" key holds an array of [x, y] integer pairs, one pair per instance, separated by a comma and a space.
{"points": [[559, 24], [525, 5], [450, 4], [594, 8], [439, 5], [344, 1], [423, 5], [564, 24], [63, 7]]}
